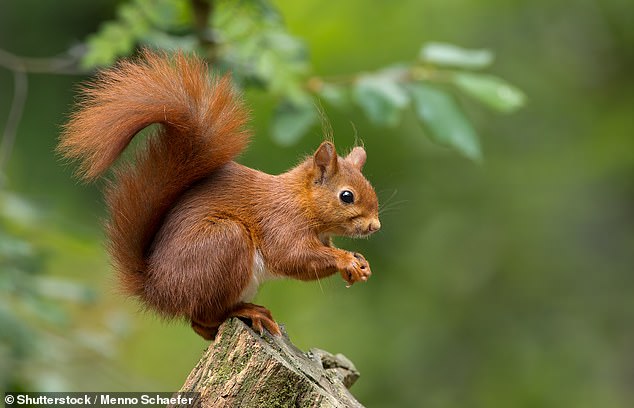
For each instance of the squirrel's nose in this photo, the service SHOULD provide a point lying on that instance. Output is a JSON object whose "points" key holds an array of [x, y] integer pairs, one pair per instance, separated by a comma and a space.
{"points": [[375, 225]]}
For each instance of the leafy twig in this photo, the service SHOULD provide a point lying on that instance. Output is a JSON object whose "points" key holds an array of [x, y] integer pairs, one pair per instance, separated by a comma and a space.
{"points": [[412, 73]]}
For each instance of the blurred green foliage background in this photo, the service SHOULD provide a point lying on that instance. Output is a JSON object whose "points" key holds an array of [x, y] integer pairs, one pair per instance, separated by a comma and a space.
{"points": [[505, 283]]}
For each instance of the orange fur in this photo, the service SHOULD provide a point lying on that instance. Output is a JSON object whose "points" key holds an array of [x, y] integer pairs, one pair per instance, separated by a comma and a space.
{"points": [[191, 232]]}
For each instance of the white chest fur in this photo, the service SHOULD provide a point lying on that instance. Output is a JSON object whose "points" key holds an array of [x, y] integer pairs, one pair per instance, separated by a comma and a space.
{"points": [[259, 275]]}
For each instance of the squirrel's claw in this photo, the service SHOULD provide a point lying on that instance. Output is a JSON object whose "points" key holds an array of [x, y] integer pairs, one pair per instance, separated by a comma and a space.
{"points": [[357, 269]]}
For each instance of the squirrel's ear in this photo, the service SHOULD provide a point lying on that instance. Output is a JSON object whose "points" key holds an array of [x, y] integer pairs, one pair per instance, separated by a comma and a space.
{"points": [[357, 157], [325, 160]]}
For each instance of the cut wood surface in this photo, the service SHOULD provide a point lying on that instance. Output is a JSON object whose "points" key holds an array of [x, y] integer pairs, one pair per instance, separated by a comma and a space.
{"points": [[243, 369]]}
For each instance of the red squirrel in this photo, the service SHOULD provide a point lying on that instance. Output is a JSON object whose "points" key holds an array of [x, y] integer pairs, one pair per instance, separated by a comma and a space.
{"points": [[191, 232]]}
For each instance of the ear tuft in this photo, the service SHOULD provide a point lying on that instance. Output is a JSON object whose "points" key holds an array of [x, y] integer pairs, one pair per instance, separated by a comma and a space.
{"points": [[325, 160], [357, 157]]}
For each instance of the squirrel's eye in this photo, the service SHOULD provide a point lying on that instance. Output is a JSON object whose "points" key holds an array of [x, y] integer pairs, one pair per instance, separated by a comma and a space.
{"points": [[346, 196]]}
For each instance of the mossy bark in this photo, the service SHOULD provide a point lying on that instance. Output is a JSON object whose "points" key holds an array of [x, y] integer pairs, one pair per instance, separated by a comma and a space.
{"points": [[243, 369]]}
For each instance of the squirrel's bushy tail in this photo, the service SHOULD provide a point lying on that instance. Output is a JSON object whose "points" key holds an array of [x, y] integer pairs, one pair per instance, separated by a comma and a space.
{"points": [[202, 127]]}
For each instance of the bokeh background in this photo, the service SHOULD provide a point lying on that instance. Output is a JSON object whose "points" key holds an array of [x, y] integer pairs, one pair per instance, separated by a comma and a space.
{"points": [[505, 283]]}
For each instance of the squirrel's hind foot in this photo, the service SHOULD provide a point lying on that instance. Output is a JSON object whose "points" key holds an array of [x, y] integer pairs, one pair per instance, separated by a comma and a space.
{"points": [[259, 316]]}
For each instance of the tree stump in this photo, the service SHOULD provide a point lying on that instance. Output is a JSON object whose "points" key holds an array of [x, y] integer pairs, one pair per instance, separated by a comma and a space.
{"points": [[243, 369]]}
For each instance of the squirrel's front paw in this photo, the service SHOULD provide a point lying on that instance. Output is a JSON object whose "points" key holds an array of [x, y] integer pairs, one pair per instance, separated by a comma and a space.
{"points": [[355, 269]]}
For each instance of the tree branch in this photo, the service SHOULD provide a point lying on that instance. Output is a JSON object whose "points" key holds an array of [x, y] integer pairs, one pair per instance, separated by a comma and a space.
{"points": [[203, 12], [54, 65], [21, 66]]}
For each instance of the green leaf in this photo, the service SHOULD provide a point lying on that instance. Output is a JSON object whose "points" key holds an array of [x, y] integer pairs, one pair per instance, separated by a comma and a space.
{"points": [[291, 48], [48, 311], [134, 18], [491, 90], [13, 248], [448, 54], [334, 95], [266, 64], [163, 40], [447, 124], [167, 14], [56, 288], [18, 210], [15, 332], [292, 121], [381, 98], [112, 40]]}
